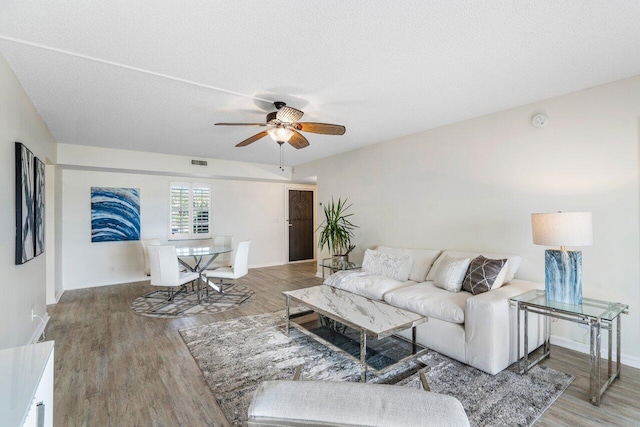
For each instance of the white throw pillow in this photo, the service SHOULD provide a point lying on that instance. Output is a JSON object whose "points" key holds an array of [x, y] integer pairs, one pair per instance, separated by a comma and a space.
{"points": [[451, 273], [422, 260], [393, 266], [514, 262]]}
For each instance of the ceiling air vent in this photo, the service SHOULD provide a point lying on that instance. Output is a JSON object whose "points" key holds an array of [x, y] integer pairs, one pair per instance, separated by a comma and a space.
{"points": [[199, 162]]}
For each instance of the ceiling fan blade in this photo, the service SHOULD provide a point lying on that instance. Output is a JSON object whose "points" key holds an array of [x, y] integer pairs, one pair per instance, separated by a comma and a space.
{"points": [[298, 141], [289, 115], [323, 128], [241, 124], [254, 138]]}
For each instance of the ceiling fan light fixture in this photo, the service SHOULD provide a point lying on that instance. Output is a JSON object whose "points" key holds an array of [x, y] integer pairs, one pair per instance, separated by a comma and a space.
{"points": [[280, 134]]}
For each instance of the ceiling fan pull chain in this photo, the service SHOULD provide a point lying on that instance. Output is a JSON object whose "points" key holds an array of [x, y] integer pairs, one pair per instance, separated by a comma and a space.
{"points": [[281, 155]]}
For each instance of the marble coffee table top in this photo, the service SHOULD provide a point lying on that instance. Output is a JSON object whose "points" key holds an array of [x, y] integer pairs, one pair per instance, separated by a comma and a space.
{"points": [[376, 318]]}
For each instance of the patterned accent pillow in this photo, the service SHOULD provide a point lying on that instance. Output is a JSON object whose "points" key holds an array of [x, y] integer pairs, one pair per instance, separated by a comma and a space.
{"points": [[483, 274], [450, 273], [393, 266]]}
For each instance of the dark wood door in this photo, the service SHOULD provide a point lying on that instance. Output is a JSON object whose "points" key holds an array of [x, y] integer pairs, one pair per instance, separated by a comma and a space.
{"points": [[300, 225]]}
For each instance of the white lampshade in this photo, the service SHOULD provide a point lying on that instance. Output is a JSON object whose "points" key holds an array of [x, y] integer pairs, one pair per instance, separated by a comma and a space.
{"points": [[280, 134], [562, 229]]}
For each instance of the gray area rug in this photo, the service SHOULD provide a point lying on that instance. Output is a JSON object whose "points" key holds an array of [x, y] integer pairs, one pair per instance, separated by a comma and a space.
{"points": [[235, 356], [154, 306]]}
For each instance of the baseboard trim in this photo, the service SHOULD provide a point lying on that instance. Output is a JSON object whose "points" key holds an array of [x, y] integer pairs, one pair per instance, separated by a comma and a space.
{"points": [[112, 282], [40, 329], [56, 297], [269, 264], [301, 261], [625, 359]]}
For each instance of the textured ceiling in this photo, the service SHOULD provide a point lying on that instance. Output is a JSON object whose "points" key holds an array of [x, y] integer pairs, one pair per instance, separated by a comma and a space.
{"points": [[383, 69]]}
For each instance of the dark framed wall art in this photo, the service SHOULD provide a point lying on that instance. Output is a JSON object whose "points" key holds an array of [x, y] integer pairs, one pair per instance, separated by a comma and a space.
{"points": [[25, 204], [39, 207]]}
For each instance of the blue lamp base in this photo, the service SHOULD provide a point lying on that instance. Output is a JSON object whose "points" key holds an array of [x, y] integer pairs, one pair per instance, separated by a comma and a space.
{"points": [[563, 276]]}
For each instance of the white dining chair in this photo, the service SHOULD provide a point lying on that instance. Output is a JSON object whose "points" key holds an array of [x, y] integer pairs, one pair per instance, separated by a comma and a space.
{"points": [[145, 243], [223, 260], [237, 270], [165, 273]]}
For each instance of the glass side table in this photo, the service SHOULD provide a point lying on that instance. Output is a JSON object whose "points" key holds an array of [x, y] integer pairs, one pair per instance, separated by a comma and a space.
{"points": [[333, 267], [596, 314]]}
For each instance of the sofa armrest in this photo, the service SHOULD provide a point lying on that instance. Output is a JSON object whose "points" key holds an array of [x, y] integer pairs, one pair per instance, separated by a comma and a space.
{"points": [[490, 327]]}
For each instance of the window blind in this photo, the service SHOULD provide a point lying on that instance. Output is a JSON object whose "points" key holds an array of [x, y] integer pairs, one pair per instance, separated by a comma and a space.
{"points": [[190, 205]]}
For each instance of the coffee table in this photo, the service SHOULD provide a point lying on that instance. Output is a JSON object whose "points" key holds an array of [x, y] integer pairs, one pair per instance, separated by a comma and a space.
{"points": [[370, 318]]}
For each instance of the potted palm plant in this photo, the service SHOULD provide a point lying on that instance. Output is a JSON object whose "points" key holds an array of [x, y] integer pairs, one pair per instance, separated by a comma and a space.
{"points": [[337, 231]]}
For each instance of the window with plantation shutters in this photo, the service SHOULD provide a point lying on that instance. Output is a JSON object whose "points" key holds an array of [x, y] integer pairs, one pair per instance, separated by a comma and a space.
{"points": [[190, 210]]}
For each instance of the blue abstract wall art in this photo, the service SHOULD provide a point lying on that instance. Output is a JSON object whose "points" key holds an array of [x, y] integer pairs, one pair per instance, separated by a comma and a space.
{"points": [[115, 214], [563, 276]]}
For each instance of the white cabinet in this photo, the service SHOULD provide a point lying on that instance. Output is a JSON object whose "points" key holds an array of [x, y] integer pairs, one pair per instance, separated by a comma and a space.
{"points": [[26, 385]]}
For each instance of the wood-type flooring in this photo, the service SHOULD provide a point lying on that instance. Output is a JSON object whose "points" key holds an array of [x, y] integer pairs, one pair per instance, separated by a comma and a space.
{"points": [[116, 368]]}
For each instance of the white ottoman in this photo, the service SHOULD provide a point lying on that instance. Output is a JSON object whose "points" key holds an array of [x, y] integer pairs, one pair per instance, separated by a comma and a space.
{"points": [[335, 403]]}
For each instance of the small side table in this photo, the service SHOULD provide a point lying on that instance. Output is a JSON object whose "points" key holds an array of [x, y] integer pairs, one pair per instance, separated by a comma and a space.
{"points": [[333, 267], [596, 314]]}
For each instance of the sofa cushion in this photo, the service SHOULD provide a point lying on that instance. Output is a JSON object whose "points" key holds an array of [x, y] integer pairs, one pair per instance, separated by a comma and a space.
{"points": [[394, 266], [365, 284], [514, 261], [451, 273], [484, 273], [422, 260], [429, 300]]}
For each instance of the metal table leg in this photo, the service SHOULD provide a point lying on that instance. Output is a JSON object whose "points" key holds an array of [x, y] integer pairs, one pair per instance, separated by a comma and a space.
{"points": [[288, 318], [610, 348], [526, 340], [547, 336], [594, 380], [518, 360], [618, 346], [599, 359], [414, 348], [363, 355]]}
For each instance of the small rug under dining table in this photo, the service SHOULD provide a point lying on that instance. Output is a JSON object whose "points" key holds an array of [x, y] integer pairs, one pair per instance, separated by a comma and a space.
{"points": [[236, 355], [186, 303]]}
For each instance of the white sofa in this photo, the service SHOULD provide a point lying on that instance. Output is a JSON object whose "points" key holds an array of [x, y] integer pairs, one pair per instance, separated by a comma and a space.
{"points": [[479, 330]]}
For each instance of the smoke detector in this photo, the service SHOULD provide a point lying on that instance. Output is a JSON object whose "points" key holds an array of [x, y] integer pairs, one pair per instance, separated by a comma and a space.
{"points": [[539, 120]]}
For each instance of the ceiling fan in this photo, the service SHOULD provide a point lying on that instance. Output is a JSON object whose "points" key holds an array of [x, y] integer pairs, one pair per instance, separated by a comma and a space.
{"points": [[285, 127]]}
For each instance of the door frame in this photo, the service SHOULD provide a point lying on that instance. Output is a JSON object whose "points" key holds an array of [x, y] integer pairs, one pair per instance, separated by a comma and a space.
{"points": [[305, 187]]}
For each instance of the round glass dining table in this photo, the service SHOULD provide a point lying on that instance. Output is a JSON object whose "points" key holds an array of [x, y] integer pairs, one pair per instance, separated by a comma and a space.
{"points": [[200, 253]]}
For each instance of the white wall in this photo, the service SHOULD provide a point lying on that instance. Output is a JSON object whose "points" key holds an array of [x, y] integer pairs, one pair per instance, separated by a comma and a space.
{"points": [[53, 293], [472, 185], [246, 209], [23, 286]]}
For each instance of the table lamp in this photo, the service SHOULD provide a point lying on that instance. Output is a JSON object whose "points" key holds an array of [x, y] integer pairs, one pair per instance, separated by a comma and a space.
{"points": [[563, 269]]}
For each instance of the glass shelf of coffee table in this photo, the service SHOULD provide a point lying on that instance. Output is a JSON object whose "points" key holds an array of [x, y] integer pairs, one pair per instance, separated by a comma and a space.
{"points": [[337, 266], [596, 314]]}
